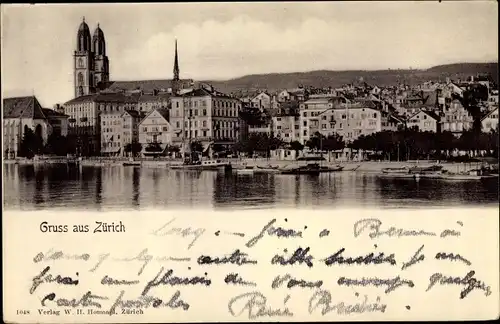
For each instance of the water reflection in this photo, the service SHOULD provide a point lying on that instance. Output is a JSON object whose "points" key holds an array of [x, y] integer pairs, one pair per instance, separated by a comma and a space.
{"points": [[117, 187]]}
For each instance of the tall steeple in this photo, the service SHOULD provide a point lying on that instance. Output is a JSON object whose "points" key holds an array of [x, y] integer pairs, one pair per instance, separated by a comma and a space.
{"points": [[176, 64]]}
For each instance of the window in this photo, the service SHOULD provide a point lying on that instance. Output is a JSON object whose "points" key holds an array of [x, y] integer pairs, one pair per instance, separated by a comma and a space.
{"points": [[305, 114], [305, 133], [204, 133], [177, 124], [165, 128], [204, 123], [296, 126]]}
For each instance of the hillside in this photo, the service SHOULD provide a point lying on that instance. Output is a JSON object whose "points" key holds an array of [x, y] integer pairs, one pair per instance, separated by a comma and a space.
{"points": [[277, 81]]}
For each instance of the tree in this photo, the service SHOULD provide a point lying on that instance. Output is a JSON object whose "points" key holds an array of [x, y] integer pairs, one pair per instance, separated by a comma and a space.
{"points": [[297, 147], [196, 146], [153, 147], [58, 145], [135, 148], [314, 142], [31, 144], [128, 148]]}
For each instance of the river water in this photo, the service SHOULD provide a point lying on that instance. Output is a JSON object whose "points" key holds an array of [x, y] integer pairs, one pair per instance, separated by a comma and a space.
{"points": [[35, 187]]}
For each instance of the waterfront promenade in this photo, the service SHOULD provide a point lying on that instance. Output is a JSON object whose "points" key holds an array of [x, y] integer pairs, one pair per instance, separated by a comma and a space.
{"points": [[362, 166]]}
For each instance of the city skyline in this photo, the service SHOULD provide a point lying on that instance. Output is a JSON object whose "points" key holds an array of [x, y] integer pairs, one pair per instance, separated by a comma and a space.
{"points": [[242, 39]]}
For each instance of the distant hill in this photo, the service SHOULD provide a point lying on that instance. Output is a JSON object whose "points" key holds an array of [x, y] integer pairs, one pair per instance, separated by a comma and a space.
{"points": [[324, 78]]}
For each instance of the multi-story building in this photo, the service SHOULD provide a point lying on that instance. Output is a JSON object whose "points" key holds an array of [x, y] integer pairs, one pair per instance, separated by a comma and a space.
{"points": [[489, 122], [111, 133], [23, 113], [84, 117], [205, 115], [261, 101], [349, 120], [155, 130], [310, 109], [130, 129], [286, 122], [456, 118], [424, 121], [149, 102]]}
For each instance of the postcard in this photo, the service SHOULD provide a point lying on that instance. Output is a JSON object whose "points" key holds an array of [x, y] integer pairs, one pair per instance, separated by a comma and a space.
{"points": [[248, 162]]}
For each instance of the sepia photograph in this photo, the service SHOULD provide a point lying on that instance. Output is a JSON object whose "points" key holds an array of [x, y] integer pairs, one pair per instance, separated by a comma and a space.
{"points": [[250, 161], [233, 107]]}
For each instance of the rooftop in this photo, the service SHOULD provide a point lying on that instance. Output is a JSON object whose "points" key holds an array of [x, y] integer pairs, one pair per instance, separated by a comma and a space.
{"points": [[23, 107]]}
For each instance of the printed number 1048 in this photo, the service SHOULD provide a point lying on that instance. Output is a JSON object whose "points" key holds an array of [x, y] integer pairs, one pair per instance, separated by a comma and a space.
{"points": [[23, 312]]}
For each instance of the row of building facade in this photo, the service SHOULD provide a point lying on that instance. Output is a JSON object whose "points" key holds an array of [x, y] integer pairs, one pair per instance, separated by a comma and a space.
{"points": [[107, 116]]}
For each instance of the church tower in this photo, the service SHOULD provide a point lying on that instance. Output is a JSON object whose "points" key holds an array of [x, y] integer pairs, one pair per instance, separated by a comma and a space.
{"points": [[176, 80], [83, 63], [101, 63]]}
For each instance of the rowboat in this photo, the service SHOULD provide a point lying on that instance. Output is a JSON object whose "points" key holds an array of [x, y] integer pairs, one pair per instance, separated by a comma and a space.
{"points": [[395, 170]]}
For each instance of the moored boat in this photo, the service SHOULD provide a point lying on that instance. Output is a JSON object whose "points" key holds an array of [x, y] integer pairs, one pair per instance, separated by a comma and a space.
{"points": [[310, 169], [246, 170], [331, 169], [131, 162], [206, 165], [395, 170]]}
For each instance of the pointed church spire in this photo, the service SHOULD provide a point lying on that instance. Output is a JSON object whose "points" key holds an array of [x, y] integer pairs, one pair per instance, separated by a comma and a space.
{"points": [[176, 63]]}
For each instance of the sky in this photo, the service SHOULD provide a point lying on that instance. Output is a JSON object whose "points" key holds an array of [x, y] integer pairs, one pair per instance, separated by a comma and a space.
{"points": [[220, 41]]}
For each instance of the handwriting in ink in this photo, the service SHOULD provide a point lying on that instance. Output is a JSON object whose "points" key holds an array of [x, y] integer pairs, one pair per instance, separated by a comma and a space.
{"points": [[169, 279], [106, 280], [324, 232], [392, 284], [143, 256], [417, 257], [87, 300], [52, 255], [373, 225], [45, 277], [256, 305], [292, 282], [183, 232], [469, 281], [299, 256], [273, 231], [322, 300], [147, 301], [370, 258], [236, 279], [237, 257], [451, 232], [452, 257]]}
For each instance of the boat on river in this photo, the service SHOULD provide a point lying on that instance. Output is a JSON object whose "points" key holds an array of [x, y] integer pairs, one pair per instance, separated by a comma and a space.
{"points": [[246, 170], [131, 162], [267, 169], [395, 170], [205, 165]]}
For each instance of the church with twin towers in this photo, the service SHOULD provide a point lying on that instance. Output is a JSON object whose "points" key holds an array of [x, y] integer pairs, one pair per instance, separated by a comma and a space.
{"points": [[91, 64], [91, 68]]}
